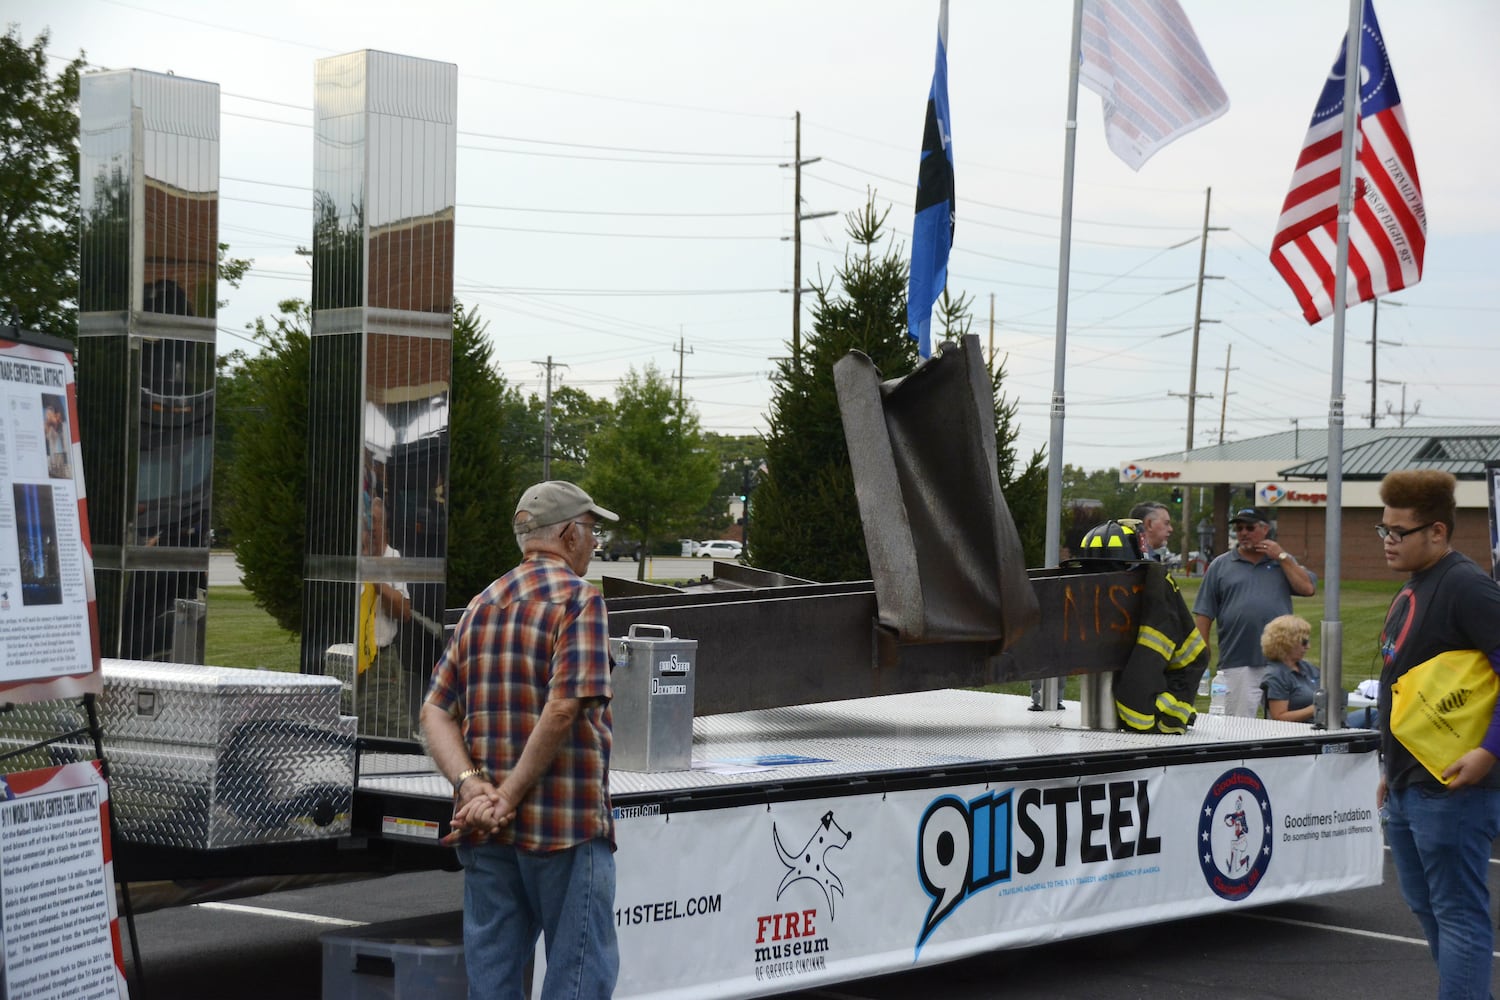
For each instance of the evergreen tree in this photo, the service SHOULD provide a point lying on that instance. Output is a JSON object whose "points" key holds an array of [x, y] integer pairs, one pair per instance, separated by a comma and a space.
{"points": [[492, 460], [264, 490], [804, 516]]}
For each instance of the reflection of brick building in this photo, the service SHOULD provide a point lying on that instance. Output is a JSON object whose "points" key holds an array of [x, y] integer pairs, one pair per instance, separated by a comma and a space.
{"points": [[411, 264], [400, 369], [181, 252]]}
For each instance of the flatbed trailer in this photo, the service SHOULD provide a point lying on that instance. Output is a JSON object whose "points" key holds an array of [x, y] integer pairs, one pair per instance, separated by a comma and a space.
{"points": [[815, 844]]}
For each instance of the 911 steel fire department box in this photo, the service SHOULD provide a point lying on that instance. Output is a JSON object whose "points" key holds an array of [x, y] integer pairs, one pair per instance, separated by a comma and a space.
{"points": [[653, 703]]}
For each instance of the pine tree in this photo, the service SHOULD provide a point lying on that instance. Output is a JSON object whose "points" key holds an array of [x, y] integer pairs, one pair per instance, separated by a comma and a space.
{"points": [[804, 517]]}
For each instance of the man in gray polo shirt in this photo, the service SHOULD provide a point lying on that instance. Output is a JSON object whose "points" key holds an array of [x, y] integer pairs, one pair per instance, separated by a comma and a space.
{"points": [[1243, 589]]}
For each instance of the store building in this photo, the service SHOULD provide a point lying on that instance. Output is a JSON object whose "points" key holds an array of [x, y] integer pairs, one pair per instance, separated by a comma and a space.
{"points": [[1287, 473]]}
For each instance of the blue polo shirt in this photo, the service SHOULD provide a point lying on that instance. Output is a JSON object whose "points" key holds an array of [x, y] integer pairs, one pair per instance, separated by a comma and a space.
{"points": [[1295, 687], [1241, 596]]}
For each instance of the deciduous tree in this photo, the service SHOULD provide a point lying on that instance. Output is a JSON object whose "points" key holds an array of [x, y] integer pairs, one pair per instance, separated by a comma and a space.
{"points": [[651, 465], [38, 188]]}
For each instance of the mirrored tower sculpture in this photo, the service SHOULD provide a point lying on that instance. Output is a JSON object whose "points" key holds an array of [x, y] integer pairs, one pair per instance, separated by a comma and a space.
{"points": [[382, 328], [148, 181]]}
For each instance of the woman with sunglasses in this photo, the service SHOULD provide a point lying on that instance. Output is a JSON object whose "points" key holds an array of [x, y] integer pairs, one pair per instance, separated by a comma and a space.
{"points": [[1292, 681]]}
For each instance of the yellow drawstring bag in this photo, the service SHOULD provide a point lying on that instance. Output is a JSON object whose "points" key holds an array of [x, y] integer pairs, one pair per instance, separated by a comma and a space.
{"points": [[365, 648], [1441, 708]]}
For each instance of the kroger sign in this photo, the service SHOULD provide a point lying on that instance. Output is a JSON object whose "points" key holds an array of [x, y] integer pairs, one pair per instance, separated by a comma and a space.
{"points": [[1133, 473], [1292, 494]]}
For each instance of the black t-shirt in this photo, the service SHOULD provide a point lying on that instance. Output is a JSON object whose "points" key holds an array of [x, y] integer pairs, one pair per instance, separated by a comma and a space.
{"points": [[1451, 605]]}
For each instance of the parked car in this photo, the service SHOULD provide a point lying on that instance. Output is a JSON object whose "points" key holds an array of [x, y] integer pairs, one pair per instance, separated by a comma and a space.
{"points": [[613, 549], [719, 548]]}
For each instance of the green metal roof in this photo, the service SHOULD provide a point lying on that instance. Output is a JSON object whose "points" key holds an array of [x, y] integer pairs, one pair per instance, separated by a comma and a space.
{"points": [[1369, 452]]}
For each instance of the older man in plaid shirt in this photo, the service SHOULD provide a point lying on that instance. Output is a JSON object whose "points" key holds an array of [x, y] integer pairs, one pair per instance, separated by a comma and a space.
{"points": [[518, 719]]}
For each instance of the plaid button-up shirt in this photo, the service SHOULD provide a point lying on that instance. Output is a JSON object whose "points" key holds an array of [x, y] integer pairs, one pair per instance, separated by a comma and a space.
{"points": [[536, 633]]}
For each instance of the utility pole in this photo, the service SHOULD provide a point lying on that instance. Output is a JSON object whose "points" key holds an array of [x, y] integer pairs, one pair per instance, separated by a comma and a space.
{"points": [[1415, 407], [992, 331], [1192, 393], [547, 425], [1374, 342], [797, 216], [682, 352], [1224, 402]]}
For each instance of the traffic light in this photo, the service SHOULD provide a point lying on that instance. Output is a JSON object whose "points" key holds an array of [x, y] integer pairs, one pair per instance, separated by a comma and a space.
{"points": [[1177, 494]]}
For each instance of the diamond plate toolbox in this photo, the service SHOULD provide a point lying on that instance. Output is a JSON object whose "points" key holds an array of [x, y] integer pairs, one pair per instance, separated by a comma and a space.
{"points": [[209, 757]]}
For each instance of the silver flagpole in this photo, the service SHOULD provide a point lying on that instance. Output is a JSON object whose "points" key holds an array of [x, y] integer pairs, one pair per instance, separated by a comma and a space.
{"points": [[1050, 689], [1329, 713]]}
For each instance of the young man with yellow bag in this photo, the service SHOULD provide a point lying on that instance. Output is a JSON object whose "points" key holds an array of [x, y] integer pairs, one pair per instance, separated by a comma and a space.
{"points": [[1440, 790]]}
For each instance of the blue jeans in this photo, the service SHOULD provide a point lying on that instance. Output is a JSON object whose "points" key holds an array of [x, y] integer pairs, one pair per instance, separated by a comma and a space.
{"points": [[1440, 842], [568, 897]]}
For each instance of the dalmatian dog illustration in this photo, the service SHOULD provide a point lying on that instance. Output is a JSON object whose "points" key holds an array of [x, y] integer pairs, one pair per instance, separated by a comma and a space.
{"points": [[1239, 843], [812, 861]]}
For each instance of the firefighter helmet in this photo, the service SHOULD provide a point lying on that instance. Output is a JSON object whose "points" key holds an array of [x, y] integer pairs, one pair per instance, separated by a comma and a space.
{"points": [[1113, 540]]}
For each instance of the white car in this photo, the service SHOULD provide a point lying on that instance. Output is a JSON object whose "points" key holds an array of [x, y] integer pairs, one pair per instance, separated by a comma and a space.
{"points": [[719, 548]]}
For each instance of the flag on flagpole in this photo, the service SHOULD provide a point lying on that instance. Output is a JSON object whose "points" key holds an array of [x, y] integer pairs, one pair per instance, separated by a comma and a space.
{"points": [[1143, 59], [932, 230], [1388, 226]]}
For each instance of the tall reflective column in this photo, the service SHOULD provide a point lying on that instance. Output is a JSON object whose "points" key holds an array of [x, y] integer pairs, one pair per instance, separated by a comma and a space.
{"points": [[148, 179], [382, 328]]}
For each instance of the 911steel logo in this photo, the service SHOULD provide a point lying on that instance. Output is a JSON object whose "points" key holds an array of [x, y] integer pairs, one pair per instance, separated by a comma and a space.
{"points": [[964, 847], [1234, 834]]}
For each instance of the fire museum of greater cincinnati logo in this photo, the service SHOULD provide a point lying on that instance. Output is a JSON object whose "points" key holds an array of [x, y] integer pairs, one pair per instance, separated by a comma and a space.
{"points": [[1234, 833]]}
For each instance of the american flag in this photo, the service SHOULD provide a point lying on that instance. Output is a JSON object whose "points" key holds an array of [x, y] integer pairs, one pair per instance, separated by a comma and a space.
{"points": [[1142, 58], [1388, 228]]}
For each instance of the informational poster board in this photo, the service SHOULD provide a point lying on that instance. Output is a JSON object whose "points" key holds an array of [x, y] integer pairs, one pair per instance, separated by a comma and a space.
{"points": [[48, 616], [57, 903]]}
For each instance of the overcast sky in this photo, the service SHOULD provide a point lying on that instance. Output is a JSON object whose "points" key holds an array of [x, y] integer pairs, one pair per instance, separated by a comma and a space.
{"points": [[619, 187]]}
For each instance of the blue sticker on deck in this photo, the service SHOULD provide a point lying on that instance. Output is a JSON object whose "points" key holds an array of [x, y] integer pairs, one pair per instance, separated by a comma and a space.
{"points": [[776, 760]]}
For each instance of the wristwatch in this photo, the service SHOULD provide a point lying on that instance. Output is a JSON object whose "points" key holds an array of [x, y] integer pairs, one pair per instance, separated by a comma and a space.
{"points": [[1283, 557], [463, 776]]}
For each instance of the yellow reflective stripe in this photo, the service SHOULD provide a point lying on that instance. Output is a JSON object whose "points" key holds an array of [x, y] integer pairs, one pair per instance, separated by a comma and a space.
{"points": [[1172, 728], [1189, 651], [1133, 719], [1167, 704], [1155, 640]]}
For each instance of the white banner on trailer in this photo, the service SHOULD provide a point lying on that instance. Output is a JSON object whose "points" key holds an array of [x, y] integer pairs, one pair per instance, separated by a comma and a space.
{"points": [[756, 899]]}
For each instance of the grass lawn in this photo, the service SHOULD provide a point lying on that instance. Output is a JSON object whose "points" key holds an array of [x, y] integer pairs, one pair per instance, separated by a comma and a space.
{"points": [[240, 634]]}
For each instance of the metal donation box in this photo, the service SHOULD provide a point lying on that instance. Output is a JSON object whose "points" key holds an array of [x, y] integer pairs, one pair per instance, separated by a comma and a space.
{"points": [[653, 703]]}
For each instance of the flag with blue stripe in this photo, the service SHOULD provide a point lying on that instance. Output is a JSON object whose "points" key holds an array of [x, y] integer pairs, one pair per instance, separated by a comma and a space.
{"points": [[932, 231]]}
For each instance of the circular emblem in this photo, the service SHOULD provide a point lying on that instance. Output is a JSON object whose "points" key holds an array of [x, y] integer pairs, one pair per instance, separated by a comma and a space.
{"points": [[1271, 493], [1234, 834], [1131, 472]]}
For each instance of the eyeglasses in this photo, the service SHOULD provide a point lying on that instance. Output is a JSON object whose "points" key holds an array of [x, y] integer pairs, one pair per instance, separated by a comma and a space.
{"points": [[1245, 526], [1399, 534], [594, 527]]}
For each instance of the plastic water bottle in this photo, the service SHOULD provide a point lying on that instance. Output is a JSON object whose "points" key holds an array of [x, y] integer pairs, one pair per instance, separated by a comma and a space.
{"points": [[1203, 690], [1218, 693]]}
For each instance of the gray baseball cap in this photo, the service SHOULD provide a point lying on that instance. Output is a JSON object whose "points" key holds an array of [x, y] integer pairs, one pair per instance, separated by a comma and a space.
{"points": [[556, 501]]}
